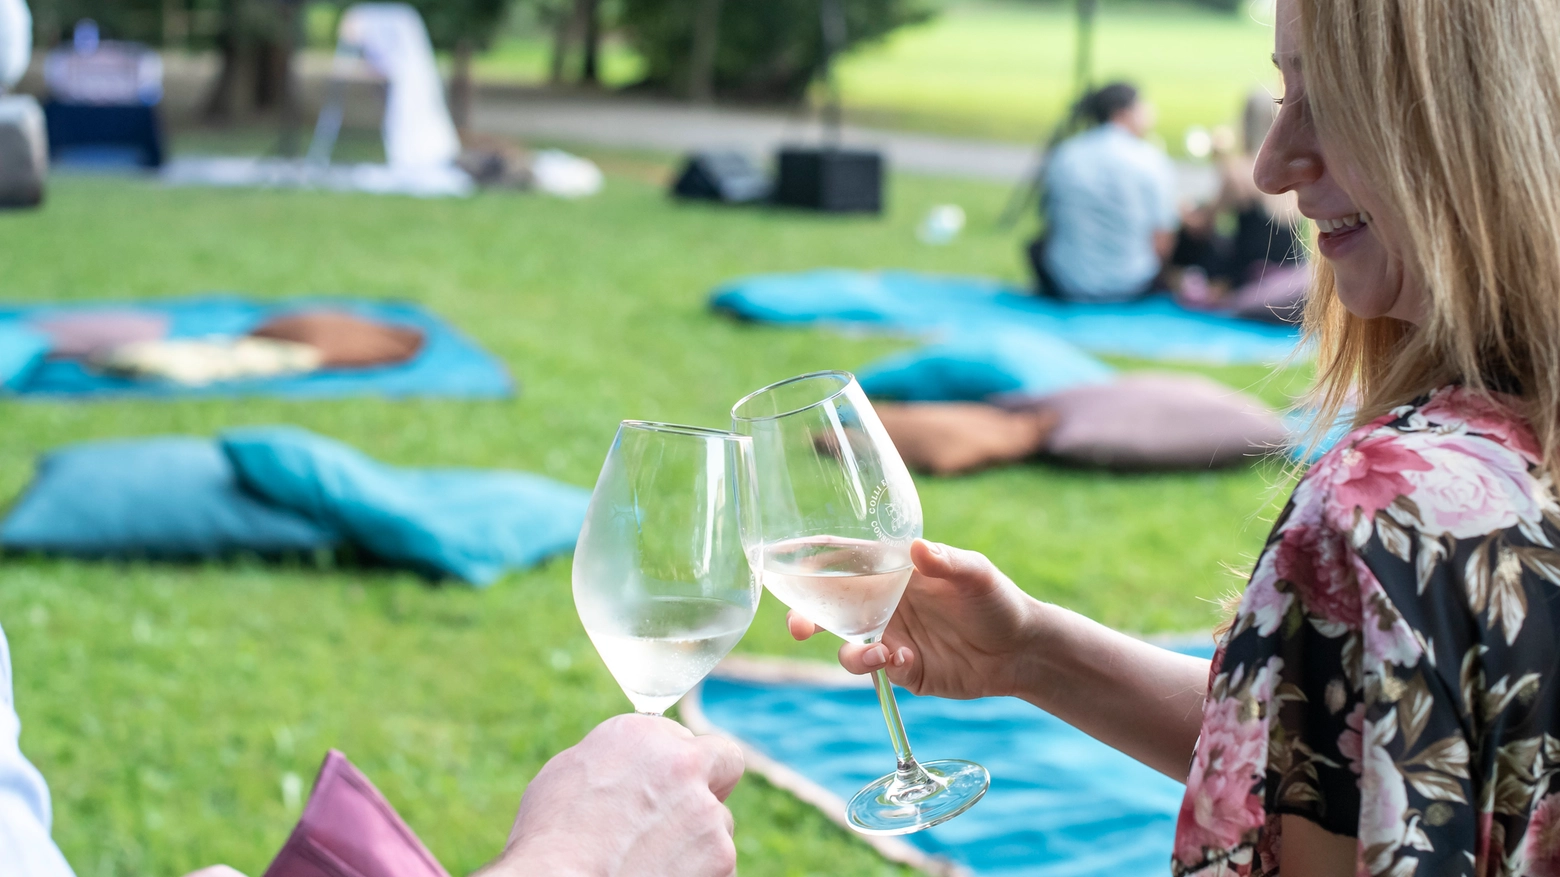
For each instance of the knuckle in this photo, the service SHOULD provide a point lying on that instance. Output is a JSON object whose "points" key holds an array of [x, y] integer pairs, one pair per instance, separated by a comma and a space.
{"points": [[685, 762], [723, 855]]}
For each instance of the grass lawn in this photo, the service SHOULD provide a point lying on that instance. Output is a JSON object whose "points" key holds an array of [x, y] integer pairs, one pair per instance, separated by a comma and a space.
{"points": [[172, 707], [1003, 69]]}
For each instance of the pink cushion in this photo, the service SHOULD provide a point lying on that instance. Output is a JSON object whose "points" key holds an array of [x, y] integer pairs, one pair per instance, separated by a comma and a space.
{"points": [[1160, 421], [348, 829], [79, 335]]}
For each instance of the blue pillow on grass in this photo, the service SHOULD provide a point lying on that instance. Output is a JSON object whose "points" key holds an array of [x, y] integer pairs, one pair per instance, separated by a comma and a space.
{"points": [[166, 497], [21, 349], [976, 367], [472, 525]]}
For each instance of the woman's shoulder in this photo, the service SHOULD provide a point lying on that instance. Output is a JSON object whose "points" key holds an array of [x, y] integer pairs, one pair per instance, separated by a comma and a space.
{"points": [[1453, 463]]}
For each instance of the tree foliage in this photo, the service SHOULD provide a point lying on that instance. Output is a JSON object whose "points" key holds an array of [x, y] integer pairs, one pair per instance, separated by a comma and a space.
{"points": [[770, 49], [452, 23]]}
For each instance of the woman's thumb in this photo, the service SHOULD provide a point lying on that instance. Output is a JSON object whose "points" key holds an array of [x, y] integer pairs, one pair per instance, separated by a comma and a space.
{"points": [[946, 562]]}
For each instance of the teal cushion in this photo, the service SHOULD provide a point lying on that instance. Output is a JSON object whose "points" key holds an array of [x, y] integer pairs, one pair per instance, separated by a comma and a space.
{"points": [[471, 525], [165, 497], [21, 349], [977, 367]]}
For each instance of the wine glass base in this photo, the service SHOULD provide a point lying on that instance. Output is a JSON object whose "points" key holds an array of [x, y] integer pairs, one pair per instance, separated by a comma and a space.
{"points": [[961, 784]]}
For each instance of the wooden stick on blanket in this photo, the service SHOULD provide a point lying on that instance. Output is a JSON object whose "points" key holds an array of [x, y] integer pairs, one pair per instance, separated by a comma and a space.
{"points": [[778, 670]]}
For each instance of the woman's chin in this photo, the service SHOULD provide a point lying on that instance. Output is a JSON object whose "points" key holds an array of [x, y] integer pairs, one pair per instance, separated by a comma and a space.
{"points": [[1365, 299]]}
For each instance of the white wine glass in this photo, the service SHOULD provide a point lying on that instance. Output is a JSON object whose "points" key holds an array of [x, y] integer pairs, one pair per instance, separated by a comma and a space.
{"points": [[838, 511], [664, 582]]}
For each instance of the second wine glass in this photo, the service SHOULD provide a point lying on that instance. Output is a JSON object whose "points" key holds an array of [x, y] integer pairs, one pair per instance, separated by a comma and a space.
{"points": [[664, 572], [838, 511]]}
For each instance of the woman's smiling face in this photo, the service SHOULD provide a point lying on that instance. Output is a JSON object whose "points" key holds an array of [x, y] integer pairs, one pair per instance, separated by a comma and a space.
{"points": [[1360, 236]]}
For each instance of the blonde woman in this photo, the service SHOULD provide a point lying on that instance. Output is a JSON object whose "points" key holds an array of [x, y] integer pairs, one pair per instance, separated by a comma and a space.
{"points": [[1386, 700]]}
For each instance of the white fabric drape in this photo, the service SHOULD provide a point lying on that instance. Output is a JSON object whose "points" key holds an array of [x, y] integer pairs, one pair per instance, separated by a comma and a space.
{"points": [[392, 38], [15, 41]]}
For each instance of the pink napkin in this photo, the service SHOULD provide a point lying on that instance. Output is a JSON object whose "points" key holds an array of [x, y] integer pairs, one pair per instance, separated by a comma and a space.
{"points": [[348, 829]]}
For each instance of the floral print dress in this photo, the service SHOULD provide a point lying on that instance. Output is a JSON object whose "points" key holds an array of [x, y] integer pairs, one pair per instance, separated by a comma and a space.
{"points": [[1392, 670]]}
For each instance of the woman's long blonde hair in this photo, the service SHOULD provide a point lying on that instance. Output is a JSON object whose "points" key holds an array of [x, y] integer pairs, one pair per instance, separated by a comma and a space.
{"points": [[1451, 108]]}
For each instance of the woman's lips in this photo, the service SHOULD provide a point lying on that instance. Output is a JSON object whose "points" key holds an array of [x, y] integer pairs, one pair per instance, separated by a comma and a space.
{"points": [[1335, 244]]}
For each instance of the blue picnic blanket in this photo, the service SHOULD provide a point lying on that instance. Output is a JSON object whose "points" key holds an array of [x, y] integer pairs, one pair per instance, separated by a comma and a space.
{"points": [[449, 364], [1061, 803], [1153, 328]]}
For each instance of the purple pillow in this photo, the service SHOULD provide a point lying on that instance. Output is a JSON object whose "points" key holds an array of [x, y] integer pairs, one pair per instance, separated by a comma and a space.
{"points": [[79, 335], [348, 829], [1160, 421]]}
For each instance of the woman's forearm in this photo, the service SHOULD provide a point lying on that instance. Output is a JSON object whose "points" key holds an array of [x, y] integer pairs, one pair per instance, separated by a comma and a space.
{"points": [[1141, 699]]}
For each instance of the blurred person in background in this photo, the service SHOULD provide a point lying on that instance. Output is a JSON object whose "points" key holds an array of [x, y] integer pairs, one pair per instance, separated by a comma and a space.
{"points": [[1259, 270], [638, 796], [1108, 201]]}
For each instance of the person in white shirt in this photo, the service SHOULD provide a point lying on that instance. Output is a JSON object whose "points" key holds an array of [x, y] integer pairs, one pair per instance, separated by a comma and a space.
{"points": [[1109, 204]]}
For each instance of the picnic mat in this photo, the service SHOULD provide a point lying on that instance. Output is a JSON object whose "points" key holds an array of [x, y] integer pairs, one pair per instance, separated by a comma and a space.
{"points": [[1061, 804], [1153, 328], [449, 364]]}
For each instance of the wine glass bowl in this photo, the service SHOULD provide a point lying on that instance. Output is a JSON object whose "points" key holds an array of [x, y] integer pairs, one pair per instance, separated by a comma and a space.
{"points": [[838, 513], [664, 575]]}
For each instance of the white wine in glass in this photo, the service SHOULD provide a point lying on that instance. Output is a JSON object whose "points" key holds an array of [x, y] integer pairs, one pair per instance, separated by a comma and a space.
{"points": [[838, 512], [664, 577]]}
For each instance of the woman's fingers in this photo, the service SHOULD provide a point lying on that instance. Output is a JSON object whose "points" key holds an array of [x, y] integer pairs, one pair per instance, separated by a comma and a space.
{"points": [[861, 659], [799, 627]]}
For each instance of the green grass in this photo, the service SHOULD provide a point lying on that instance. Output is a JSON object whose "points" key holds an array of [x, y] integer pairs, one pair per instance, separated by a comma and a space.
{"points": [[167, 703], [1003, 69]]}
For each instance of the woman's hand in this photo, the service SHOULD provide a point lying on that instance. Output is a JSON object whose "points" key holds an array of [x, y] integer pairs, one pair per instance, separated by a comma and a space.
{"points": [[960, 631]]}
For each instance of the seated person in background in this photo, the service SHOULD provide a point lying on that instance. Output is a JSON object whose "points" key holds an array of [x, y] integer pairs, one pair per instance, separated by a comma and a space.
{"points": [[1260, 268], [1109, 203], [638, 795]]}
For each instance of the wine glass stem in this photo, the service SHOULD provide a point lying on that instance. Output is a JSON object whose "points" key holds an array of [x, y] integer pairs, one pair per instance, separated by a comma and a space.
{"points": [[911, 781]]}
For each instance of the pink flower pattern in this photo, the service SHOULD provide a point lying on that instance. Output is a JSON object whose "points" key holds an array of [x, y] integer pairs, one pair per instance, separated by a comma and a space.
{"points": [[1415, 553], [1542, 843]]}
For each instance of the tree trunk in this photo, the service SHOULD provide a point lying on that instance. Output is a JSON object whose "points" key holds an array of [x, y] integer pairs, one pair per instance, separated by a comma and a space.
{"points": [[461, 87], [271, 64], [292, 112], [175, 24], [590, 68], [701, 59], [218, 106], [563, 35]]}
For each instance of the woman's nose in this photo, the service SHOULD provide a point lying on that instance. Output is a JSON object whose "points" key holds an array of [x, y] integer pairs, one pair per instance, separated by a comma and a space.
{"points": [[1290, 157]]}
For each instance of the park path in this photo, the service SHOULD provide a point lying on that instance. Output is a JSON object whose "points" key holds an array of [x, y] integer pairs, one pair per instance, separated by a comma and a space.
{"points": [[629, 121], [633, 122]]}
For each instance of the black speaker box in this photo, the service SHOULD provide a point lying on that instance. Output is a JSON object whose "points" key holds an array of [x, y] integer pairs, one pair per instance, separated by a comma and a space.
{"points": [[722, 176], [834, 180]]}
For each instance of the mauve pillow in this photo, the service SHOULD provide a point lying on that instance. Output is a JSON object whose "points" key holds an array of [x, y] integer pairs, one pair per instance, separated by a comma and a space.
{"points": [[80, 334], [1160, 421], [348, 829]]}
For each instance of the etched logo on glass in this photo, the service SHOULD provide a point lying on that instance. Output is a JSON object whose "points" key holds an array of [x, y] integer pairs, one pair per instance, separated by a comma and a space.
{"points": [[890, 520]]}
